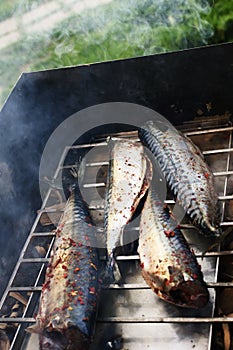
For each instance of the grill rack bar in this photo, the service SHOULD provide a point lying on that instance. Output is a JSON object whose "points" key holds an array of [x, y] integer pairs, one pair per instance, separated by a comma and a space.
{"points": [[136, 257], [36, 289], [103, 163], [127, 286], [190, 133], [137, 320]]}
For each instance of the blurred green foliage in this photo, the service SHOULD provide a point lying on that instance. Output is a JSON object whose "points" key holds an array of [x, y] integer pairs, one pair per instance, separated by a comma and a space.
{"points": [[120, 29], [221, 19], [127, 29], [9, 8]]}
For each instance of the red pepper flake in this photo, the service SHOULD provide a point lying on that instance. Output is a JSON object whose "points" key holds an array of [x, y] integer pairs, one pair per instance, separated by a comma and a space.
{"points": [[167, 233], [206, 175], [76, 270], [142, 265], [45, 285], [81, 302], [65, 306], [86, 319], [72, 242], [64, 267], [57, 262], [92, 290], [65, 275], [50, 275]]}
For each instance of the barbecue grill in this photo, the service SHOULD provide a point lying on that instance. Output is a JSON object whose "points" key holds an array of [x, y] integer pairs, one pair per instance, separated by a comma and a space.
{"points": [[192, 89]]}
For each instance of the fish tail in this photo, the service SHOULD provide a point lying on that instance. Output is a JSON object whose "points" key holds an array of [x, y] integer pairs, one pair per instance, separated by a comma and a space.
{"points": [[116, 273], [111, 273], [78, 171]]}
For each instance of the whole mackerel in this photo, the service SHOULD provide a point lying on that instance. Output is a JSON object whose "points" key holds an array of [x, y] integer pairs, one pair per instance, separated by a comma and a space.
{"points": [[186, 173], [128, 179], [168, 265], [68, 304]]}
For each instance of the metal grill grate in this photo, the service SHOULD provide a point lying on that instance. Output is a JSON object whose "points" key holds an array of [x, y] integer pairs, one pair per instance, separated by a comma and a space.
{"points": [[216, 146]]}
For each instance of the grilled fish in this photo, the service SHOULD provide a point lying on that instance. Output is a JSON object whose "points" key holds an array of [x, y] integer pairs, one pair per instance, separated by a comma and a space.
{"points": [[68, 303], [127, 181], [168, 265], [186, 173]]}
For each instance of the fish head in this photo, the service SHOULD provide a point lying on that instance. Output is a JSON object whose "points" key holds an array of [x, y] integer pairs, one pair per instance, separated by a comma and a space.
{"points": [[69, 339], [52, 341], [181, 291], [190, 294]]}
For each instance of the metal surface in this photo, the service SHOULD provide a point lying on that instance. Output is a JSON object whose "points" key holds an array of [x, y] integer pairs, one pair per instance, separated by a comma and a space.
{"points": [[130, 310], [180, 86]]}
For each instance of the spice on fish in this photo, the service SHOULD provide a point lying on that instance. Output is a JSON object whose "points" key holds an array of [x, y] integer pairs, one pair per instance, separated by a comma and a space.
{"points": [[68, 292]]}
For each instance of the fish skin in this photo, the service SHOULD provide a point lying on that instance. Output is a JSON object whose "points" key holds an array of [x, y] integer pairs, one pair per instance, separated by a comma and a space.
{"points": [[168, 265], [128, 179], [68, 304], [186, 173]]}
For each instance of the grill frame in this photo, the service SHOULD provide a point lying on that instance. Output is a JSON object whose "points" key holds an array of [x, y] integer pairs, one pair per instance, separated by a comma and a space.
{"points": [[36, 289], [178, 85]]}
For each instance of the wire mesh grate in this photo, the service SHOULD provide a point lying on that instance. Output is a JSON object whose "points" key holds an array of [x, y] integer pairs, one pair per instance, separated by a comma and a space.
{"points": [[217, 151]]}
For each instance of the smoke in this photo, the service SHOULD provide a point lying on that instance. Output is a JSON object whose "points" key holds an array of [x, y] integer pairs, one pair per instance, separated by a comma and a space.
{"points": [[125, 29], [118, 29], [50, 36]]}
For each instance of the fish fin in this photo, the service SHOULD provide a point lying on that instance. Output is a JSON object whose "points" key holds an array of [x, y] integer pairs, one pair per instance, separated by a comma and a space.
{"points": [[34, 329], [78, 172], [106, 276], [117, 273], [218, 239], [111, 273]]}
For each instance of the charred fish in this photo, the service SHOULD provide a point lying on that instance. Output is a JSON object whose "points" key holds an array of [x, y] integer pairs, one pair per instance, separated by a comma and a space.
{"points": [[186, 173], [68, 304], [168, 265]]}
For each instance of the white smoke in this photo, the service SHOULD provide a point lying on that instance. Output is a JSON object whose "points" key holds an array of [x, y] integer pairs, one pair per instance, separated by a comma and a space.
{"points": [[49, 34]]}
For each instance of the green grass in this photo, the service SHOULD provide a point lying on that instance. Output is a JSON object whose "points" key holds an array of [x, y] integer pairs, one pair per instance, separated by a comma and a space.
{"points": [[9, 8], [118, 30], [221, 18], [123, 30]]}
